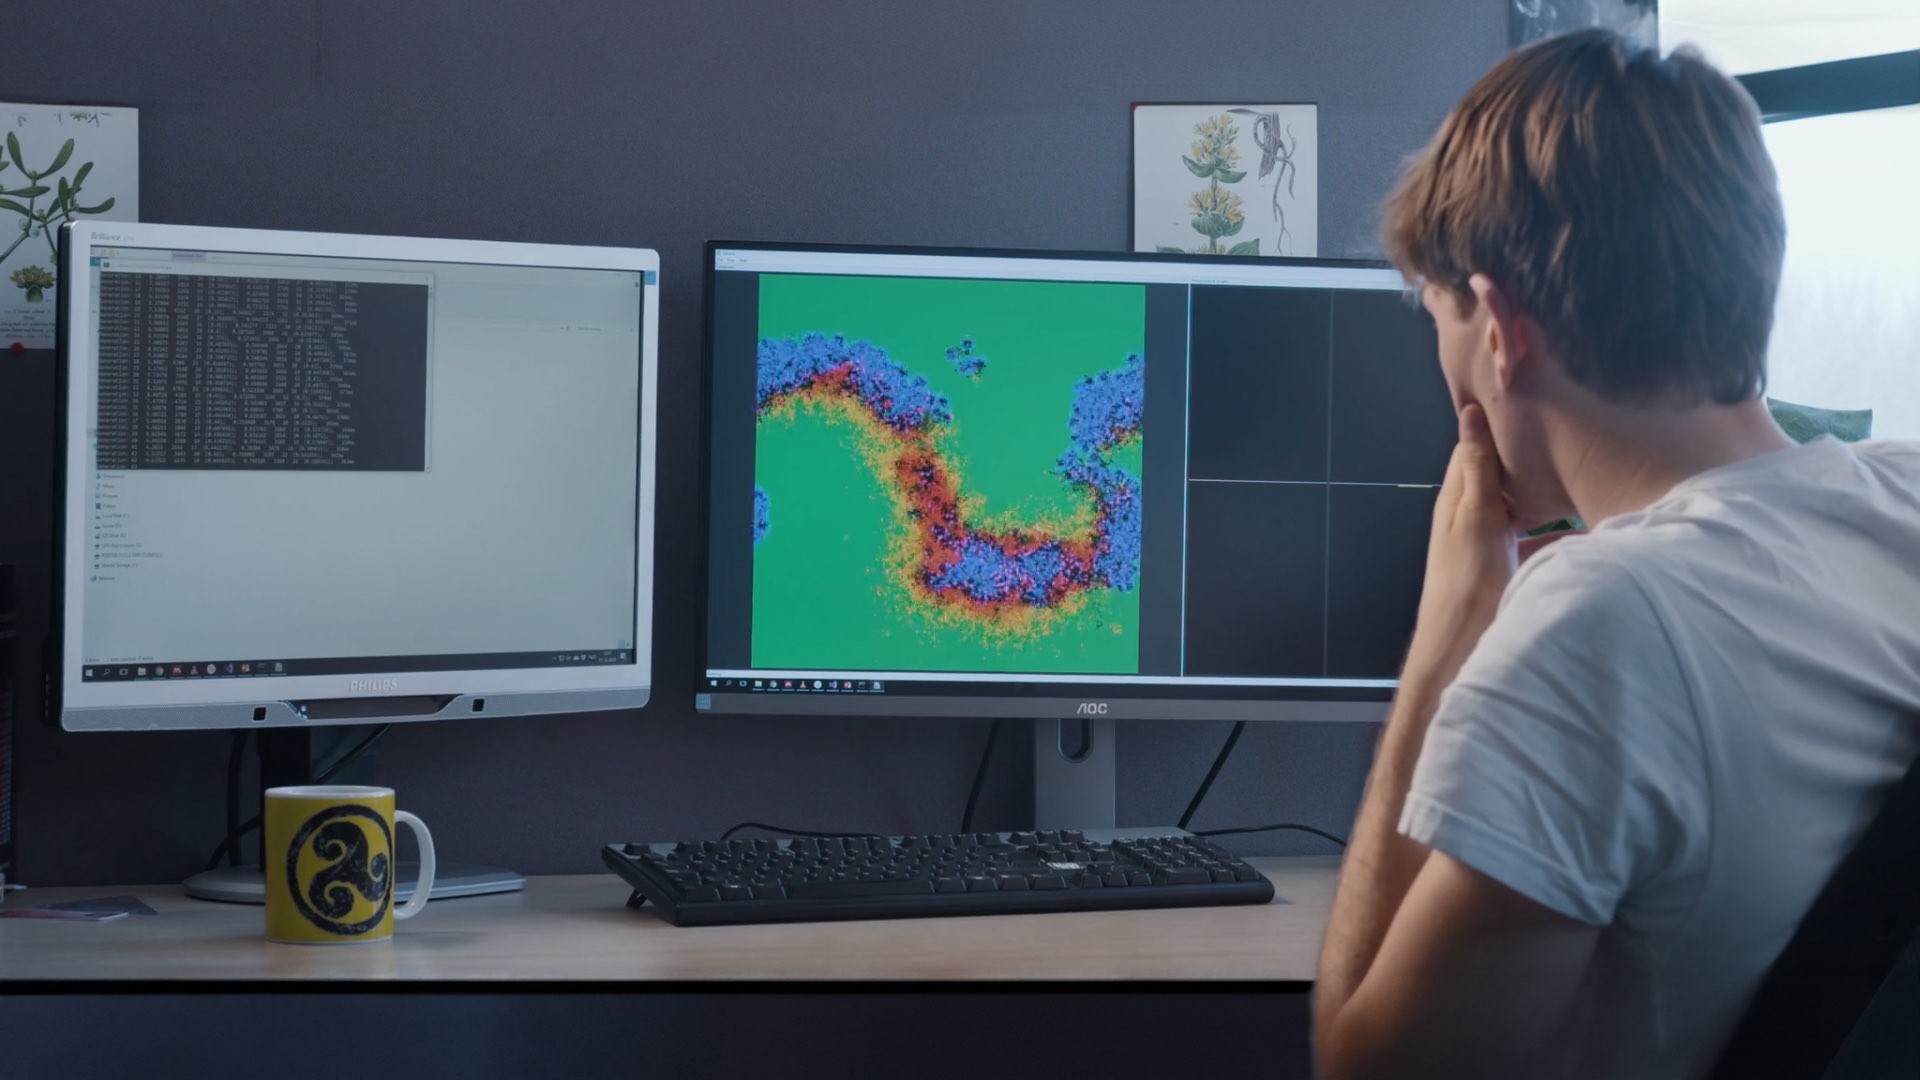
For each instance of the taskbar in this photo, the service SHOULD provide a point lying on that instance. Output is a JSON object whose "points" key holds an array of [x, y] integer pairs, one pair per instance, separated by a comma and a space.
{"points": [[735, 688], [254, 668], [800, 686]]}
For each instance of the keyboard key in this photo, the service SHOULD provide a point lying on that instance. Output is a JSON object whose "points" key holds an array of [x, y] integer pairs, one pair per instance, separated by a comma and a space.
{"points": [[1010, 882], [1183, 875], [981, 883], [1046, 881], [823, 890], [735, 892], [949, 884]]}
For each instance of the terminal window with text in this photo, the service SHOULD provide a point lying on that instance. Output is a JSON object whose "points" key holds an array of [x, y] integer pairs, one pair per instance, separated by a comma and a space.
{"points": [[291, 465], [1009, 473]]}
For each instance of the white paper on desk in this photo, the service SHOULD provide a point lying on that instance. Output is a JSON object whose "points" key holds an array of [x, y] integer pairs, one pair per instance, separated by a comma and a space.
{"points": [[54, 913], [124, 904], [104, 162]]}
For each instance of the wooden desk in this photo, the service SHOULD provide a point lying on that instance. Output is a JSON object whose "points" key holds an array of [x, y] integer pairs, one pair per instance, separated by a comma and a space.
{"points": [[578, 928]]}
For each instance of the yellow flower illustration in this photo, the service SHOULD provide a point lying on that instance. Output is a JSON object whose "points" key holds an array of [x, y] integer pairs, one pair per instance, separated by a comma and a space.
{"points": [[1219, 202], [1217, 212], [1215, 143]]}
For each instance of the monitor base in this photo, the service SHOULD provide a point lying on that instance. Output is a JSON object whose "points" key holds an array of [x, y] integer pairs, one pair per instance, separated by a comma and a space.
{"points": [[246, 885]]}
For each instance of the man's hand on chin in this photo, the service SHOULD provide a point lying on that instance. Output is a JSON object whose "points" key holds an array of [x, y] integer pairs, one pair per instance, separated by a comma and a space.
{"points": [[1471, 557]]}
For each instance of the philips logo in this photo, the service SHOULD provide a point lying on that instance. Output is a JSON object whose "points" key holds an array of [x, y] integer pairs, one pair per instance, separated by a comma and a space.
{"points": [[371, 686], [1091, 708], [108, 236]]}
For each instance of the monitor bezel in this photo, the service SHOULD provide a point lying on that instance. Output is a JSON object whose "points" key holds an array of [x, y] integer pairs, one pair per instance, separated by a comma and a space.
{"points": [[1086, 700], [298, 701]]}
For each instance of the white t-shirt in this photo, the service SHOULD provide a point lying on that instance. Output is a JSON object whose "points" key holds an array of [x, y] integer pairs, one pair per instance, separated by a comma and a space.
{"points": [[1678, 724]]}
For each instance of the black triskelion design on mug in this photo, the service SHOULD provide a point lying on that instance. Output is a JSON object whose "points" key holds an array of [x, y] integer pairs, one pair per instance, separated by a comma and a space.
{"points": [[324, 900]]}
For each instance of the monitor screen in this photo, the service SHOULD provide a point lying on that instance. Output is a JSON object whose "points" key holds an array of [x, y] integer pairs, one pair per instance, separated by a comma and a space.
{"points": [[302, 467], [1015, 483]]}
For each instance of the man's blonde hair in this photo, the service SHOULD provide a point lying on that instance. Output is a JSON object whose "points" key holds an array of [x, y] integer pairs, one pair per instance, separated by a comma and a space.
{"points": [[1627, 203]]}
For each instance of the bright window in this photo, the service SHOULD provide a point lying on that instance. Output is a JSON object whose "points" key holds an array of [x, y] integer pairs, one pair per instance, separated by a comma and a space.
{"points": [[1847, 328]]}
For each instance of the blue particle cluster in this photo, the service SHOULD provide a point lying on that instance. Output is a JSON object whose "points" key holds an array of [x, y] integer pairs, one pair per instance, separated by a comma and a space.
{"points": [[759, 514], [898, 397], [965, 360], [1107, 409], [986, 573], [1118, 560]]}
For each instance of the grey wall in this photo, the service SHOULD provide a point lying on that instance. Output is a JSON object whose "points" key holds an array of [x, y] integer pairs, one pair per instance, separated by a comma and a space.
{"points": [[993, 122]]}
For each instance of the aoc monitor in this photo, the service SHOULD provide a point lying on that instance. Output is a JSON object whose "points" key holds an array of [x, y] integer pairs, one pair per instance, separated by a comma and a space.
{"points": [[1026, 484]]}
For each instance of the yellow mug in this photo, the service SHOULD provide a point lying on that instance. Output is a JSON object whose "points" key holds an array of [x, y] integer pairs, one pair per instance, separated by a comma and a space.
{"points": [[330, 864]]}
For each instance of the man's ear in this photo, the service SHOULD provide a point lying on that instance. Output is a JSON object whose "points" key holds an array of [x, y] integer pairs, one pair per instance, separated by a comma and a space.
{"points": [[1512, 337]]}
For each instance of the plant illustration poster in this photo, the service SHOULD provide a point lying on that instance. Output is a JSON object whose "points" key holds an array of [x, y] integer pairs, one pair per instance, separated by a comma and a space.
{"points": [[1226, 179], [58, 163]]}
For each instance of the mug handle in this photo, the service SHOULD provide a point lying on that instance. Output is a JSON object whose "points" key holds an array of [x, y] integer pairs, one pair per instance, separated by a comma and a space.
{"points": [[424, 886]]}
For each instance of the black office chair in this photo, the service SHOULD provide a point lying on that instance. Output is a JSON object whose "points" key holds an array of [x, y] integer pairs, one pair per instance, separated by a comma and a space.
{"points": [[1843, 998]]}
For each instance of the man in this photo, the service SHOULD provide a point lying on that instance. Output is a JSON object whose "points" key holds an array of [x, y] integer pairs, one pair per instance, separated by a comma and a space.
{"points": [[1614, 779]]}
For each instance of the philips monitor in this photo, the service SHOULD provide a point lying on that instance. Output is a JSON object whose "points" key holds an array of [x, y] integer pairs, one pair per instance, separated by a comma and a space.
{"points": [[313, 479], [1024, 484]]}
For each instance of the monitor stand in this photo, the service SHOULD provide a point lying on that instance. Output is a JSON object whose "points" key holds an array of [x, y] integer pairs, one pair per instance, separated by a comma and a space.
{"points": [[1073, 773], [295, 756]]}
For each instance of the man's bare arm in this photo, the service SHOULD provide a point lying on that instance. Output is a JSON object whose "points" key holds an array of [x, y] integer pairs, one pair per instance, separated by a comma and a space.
{"points": [[1360, 993], [1470, 559], [1471, 980], [1380, 864]]}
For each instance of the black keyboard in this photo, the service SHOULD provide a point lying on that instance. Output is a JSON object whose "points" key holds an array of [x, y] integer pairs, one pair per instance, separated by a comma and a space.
{"points": [[711, 882]]}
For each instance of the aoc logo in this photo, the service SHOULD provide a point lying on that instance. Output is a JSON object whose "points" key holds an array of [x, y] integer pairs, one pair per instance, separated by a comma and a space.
{"points": [[368, 686], [340, 869], [1091, 708]]}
